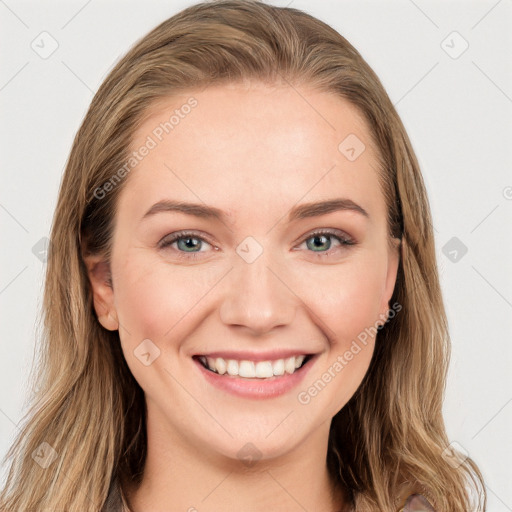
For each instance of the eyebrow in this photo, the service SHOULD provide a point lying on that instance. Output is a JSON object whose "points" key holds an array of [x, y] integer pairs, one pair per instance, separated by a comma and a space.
{"points": [[302, 211], [323, 207]]}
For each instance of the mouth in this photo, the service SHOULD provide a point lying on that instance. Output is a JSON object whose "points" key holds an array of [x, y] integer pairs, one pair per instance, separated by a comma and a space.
{"points": [[255, 375], [254, 370]]}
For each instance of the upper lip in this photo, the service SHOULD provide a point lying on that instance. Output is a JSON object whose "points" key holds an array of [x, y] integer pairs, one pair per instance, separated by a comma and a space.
{"points": [[247, 355]]}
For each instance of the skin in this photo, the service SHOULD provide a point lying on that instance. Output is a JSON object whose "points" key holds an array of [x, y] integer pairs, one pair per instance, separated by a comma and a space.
{"points": [[253, 151]]}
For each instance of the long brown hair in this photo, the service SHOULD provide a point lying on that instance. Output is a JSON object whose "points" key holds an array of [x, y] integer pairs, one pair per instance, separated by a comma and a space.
{"points": [[85, 429]]}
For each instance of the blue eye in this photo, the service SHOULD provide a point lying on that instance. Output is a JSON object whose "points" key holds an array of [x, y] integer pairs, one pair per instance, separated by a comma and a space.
{"points": [[322, 239], [189, 244]]}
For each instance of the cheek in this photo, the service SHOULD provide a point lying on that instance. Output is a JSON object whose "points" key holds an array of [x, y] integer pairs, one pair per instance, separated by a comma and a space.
{"points": [[346, 298], [156, 302], [153, 298]]}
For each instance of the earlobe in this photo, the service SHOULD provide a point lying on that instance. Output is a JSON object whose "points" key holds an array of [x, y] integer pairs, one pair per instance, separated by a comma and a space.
{"points": [[106, 316], [100, 278]]}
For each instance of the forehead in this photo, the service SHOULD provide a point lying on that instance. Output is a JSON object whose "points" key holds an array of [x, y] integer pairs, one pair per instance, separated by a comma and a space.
{"points": [[243, 147]]}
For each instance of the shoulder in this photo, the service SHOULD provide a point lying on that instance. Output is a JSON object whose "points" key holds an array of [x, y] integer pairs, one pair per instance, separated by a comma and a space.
{"points": [[417, 503]]}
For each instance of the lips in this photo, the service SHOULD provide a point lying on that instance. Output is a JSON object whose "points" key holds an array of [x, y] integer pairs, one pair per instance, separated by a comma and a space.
{"points": [[260, 369], [255, 387], [256, 374]]}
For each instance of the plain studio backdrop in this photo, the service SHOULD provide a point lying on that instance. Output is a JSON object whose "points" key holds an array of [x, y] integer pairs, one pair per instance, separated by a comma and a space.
{"points": [[446, 66]]}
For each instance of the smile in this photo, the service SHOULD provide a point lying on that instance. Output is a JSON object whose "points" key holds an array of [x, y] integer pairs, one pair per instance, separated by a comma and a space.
{"points": [[254, 369], [257, 377]]}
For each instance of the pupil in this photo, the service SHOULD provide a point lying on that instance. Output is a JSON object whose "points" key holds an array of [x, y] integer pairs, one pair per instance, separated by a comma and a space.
{"points": [[316, 238], [187, 241]]}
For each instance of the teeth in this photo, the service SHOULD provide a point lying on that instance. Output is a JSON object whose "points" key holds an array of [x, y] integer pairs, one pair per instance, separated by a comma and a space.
{"points": [[221, 365], [246, 369], [289, 365], [278, 367], [264, 369], [251, 369], [232, 367]]}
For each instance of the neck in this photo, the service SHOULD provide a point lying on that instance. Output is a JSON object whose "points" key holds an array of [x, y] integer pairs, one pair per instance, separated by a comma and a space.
{"points": [[180, 477]]}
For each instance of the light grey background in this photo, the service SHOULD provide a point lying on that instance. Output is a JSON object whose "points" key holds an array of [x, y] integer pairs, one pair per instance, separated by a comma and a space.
{"points": [[455, 104]]}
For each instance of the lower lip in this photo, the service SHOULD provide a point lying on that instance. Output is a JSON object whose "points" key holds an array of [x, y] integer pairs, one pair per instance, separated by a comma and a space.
{"points": [[256, 388]]}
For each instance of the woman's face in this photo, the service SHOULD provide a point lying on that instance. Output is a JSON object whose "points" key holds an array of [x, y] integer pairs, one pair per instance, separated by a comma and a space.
{"points": [[260, 275]]}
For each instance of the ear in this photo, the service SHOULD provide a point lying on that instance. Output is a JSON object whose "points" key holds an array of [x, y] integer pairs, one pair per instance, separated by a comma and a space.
{"points": [[100, 277], [394, 250]]}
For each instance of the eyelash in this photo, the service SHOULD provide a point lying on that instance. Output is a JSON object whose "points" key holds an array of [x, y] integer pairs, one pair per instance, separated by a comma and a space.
{"points": [[334, 233]]}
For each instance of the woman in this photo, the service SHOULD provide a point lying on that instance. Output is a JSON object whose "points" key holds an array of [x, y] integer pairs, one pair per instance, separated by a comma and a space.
{"points": [[203, 351]]}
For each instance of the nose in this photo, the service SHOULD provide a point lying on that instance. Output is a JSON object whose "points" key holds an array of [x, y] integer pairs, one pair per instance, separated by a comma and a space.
{"points": [[257, 297]]}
